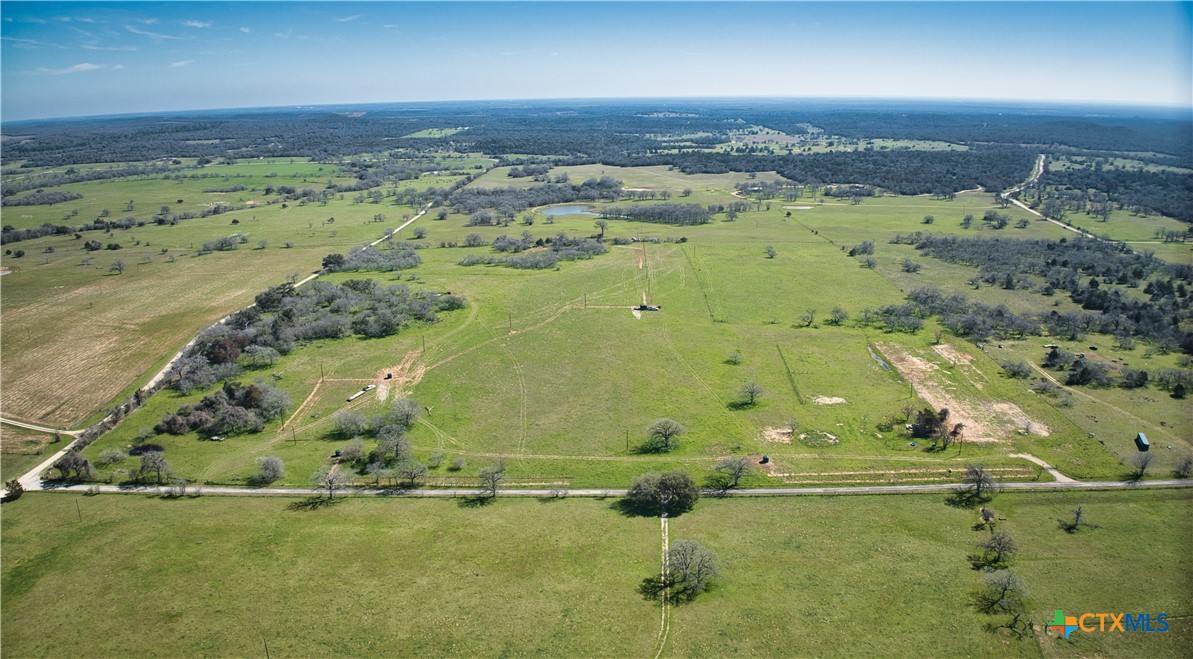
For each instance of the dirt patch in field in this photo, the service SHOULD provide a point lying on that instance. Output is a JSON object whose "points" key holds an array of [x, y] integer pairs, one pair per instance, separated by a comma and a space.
{"points": [[403, 376], [955, 356], [798, 208], [818, 439], [780, 435], [828, 400], [985, 421]]}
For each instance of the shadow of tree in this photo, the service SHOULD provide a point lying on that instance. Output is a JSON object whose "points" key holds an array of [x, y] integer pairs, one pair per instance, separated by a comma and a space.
{"points": [[313, 503], [651, 588], [475, 501], [965, 499]]}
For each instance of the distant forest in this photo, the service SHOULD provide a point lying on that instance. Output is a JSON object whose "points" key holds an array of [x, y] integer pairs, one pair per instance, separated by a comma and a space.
{"points": [[1002, 140]]}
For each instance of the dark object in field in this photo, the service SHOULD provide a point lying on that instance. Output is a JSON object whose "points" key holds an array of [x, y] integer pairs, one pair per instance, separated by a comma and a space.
{"points": [[389, 376], [1141, 442], [649, 307], [765, 459], [1093, 347]]}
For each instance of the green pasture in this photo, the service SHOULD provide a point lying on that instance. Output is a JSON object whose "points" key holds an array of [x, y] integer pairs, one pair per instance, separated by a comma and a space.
{"points": [[551, 372], [435, 132], [796, 573], [227, 576], [547, 370]]}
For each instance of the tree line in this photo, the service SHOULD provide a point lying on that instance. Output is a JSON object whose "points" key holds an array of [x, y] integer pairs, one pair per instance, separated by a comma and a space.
{"points": [[285, 316]]}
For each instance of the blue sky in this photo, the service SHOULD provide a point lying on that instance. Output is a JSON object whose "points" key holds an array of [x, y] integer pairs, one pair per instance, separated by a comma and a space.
{"points": [[87, 58]]}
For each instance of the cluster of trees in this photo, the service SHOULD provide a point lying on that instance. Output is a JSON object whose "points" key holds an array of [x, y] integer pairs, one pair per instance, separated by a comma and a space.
{"points": [[509, 201], [1138, 190], [535, 170], [390, 460], [395, 256], [973, 320], [935, 425], [1080, 369], [285, 316], [1093, 272], [679, 214], [41, 198], [231, 410], [559, 248]]}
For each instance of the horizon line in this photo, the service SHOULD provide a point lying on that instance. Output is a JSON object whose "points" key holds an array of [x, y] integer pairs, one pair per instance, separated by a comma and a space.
{"points": [[1052, 103]]}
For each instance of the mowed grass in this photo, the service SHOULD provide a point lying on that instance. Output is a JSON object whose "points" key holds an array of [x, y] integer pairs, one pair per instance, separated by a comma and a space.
{"points": [[807, 576], [225, 577], [883, 576]]}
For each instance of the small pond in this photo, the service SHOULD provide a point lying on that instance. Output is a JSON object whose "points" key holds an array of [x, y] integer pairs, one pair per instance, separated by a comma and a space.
{"points": [[556, 211]]}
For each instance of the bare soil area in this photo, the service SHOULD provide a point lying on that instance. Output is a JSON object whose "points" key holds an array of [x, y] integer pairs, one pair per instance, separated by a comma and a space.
{"points": [[985, 421]]}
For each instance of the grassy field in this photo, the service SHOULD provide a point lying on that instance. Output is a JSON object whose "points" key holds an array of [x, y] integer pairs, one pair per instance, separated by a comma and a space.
{"points": [[799, 574], [539, 355], [803, 576]]}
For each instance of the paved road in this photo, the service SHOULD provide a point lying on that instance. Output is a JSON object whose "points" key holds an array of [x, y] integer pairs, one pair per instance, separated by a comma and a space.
{"points": [[761, 491]]}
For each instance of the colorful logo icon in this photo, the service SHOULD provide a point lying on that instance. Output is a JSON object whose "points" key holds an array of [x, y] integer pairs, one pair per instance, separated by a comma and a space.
{"points": [[1062, 624]]}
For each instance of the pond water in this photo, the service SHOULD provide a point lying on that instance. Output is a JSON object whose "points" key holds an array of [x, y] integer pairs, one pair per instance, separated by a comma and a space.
{"points": [[556, 211]]}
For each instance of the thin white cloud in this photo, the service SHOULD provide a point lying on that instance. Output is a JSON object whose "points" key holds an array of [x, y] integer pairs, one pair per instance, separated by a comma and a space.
{"points": [[28, 43], [246, 30], [179, 65], [77, 68], [146, 33], [348, 19], [95, 46], [149, 21], [198, 24]]}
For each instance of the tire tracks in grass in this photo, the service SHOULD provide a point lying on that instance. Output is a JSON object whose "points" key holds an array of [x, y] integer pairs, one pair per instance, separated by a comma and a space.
{"points": [[665, 617], [700, 282], [522, 396], [712, 392]]}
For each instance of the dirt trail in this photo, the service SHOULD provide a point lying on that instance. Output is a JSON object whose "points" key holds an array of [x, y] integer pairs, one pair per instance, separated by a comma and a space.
{"points": [[665, 619], [1060, 478]]}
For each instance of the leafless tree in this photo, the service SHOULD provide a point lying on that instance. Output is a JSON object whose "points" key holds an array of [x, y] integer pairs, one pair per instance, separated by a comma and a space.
{"points": [[1184, 467], [733, 470], [977, 483], [1141, 462], [1001, 592], [411, 471], [663, 433], [750, 392], [691, 568], [155, 462], [491, 477], [996, 548], [331, 479]]}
